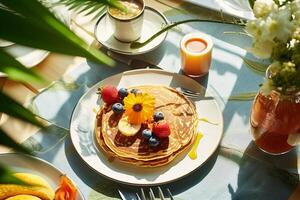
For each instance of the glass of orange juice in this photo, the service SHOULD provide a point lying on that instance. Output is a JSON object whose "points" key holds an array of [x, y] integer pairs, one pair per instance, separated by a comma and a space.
{"points": [[196, 52]]}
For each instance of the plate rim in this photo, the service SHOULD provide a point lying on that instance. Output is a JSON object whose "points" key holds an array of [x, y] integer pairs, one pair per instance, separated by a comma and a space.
{"points": [[38, 159], [127, 52], [153, 183]]}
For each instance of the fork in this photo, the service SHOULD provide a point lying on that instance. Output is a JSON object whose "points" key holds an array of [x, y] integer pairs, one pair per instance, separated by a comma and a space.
{"points": [[189, 93], [152, 196]]}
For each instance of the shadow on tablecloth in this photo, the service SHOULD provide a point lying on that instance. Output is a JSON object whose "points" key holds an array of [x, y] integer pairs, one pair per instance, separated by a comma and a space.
{"points": [[261, 176]]}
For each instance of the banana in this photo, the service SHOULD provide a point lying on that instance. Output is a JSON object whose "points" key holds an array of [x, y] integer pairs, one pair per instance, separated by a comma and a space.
{"points": [[128, 129], [37, 187], [23, 197]]}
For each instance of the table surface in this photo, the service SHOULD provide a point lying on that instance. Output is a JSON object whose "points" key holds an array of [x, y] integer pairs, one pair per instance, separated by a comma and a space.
{"points": [[236, 151]]}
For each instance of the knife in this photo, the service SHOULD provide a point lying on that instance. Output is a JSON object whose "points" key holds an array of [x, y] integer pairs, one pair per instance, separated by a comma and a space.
{"points": [[132, 62]]}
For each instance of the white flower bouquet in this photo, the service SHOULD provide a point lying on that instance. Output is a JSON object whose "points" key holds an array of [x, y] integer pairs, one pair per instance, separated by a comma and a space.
{"points": [[276, 34]]}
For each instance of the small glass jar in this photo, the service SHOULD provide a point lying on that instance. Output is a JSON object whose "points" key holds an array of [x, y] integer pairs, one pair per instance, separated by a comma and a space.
{"points": [[275, 121]]}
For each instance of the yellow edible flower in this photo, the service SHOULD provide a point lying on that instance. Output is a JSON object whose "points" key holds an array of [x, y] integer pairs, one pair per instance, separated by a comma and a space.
{"points": [[139, 107]]}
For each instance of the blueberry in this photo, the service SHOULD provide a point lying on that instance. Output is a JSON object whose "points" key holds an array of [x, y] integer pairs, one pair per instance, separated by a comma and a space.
{"points": [[153, 141], [147, 133], [123, 92], [135, 91], [118, 108], [158, 116]]}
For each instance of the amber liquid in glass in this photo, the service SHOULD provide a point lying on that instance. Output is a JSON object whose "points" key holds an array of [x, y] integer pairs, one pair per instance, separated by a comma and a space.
{"points": [[273, 120], [195, 57], [195, 45]]}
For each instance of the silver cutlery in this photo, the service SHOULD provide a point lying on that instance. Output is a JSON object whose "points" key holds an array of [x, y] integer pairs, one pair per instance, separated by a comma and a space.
{"points": [[189, 93], [151, 195]]}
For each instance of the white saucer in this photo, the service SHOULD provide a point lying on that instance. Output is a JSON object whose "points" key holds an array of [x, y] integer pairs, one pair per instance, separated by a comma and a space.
{"points": [[153, 22], [5, 43]]}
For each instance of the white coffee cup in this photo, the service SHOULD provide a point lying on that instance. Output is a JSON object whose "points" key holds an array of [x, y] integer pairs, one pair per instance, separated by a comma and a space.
{"points": [[128, 29]]}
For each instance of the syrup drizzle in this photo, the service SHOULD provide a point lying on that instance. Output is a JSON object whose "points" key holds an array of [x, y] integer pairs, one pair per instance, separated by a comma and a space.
{"points": [[193, 152], [95, 110], [207, 121]]}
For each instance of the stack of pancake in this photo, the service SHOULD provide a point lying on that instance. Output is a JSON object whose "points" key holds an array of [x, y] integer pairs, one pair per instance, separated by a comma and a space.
{"points": [[179, 112]]}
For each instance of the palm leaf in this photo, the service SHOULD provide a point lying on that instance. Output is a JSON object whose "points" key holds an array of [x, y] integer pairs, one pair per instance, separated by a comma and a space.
{"points": [[16, 71], [251, 2], [13, 108], [89, 7], [247, 96], [32, 24], [257, 67], [7, 141], [135, 44], [6, 177]]}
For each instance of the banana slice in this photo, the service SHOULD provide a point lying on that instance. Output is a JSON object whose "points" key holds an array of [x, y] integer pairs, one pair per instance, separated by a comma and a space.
{"points": [[23, 197], [128, 129], [37, 186]]}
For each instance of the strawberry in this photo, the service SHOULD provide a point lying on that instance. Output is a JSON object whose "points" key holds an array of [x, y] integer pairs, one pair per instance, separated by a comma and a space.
{"points": [[161, 129], [109, 94]]}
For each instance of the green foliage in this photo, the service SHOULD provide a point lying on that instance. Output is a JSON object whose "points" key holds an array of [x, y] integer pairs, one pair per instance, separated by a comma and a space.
{"points": [[29, 23], [16, 71], [256, 67], [251, 2], [288, 77], [278, 2], [14, 109], [295, 57], [7, 177], [135, 45], [5, 140], [247, 96], [97, 7], [281, 51]]}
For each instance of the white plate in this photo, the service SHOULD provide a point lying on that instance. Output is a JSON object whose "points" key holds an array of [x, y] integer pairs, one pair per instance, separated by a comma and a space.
{"points": [[5, 43], [83, 137], [28, 164], [238, 8], [153, 22]]}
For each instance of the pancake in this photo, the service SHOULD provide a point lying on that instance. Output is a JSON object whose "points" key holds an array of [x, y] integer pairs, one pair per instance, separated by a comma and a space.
{"points": [[179, 112]]}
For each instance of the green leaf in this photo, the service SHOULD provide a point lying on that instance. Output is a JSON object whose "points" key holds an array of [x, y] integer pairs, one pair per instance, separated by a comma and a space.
{"points": [[7, 177], [7, 141], [16, 71], [135, 45], [256, 67], [251, 2], [247, 96], [88, 7], [32, 24], [14, 109], [237, 33]]}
